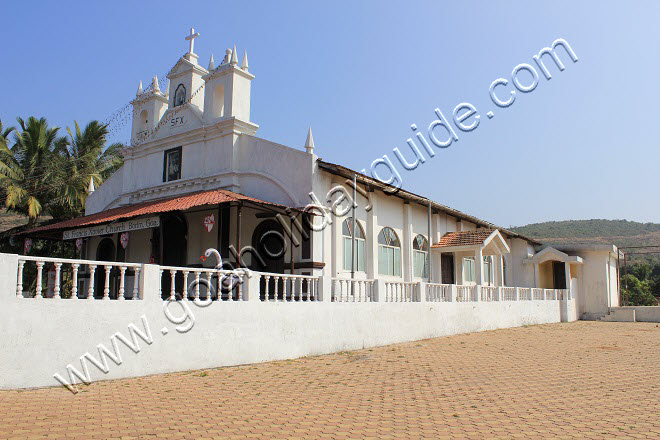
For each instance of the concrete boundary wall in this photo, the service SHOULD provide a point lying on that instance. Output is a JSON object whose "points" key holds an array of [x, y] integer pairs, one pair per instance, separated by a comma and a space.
{"points": [[642, 313], [40, 337]]}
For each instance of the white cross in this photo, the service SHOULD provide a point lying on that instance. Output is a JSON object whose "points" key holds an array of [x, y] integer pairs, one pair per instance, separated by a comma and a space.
{"points": [[191, 38]]}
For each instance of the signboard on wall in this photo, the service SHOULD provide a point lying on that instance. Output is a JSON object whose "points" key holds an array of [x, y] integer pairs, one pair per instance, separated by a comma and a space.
{"points": [[113, 228]]}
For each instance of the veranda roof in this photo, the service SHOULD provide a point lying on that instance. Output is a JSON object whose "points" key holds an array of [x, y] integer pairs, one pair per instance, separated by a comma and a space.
{"points": [[178, 203]]}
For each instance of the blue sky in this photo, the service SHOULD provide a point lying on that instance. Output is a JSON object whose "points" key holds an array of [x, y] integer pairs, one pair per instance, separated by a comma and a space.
{"points": [[580, 146]]}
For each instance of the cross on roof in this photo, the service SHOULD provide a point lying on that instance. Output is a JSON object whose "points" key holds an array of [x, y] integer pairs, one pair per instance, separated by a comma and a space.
{"points": [[191, 38]]}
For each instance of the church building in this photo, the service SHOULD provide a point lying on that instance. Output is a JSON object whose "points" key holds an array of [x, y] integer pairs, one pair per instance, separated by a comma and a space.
{"points": [[197, 176]]}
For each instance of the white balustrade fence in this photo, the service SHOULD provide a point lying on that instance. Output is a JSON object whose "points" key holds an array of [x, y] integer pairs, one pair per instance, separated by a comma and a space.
{"points": [[287, 288], [509, 294], [466, 293], [76, 279], [396, 291], [45, 277], [438, 292], [190, 283], [538, 294], [347, 290], [489, 293]]}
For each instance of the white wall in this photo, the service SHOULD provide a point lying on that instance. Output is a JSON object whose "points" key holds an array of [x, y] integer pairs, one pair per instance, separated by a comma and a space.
{"points": [[40, 337]]}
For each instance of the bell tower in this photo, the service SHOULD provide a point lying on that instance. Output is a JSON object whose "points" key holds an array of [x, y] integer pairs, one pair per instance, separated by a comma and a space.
{"points": [[186, 78], [227, 91], [148, 108]]}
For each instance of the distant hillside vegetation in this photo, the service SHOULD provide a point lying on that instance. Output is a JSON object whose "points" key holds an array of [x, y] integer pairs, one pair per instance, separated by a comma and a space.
{"points": [[618, 232]]}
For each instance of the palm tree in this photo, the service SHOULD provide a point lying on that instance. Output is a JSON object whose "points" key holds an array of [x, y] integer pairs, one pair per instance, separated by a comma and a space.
{"points": [[27, 171], [81, 157], [4, 148]]}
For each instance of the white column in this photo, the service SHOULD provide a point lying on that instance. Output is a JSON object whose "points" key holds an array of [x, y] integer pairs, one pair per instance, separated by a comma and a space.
{"points": [[500, 270], [567, 275], [479, 266], [372, 239], [479, 270], [537, 282], [436, 260], [406, 251]]}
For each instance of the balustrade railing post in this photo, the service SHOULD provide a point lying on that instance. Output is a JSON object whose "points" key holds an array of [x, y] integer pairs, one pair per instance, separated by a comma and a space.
{"points": [[122, 280], [74, 280], [421, 291], [90, 288], [56, 288], [136, 283], [106, 285], [19, 279], [516, 294], [38, 287]]}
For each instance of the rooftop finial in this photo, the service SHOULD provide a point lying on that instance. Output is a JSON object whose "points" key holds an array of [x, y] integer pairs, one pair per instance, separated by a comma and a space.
{"points": [[90, 187], [167, 88], [191, 38], [234, 57], [139, 92], [309, 143], [227, 56], [211, 63], [244, 64], [154, 84]]}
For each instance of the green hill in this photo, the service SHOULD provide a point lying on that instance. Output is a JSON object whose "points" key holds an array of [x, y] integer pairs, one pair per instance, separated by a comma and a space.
{"points": [[619, 232]]}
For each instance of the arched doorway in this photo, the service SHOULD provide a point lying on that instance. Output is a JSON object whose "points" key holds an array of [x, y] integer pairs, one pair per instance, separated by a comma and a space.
{"points": [[105, 251], [174, 245], [269, 243]]}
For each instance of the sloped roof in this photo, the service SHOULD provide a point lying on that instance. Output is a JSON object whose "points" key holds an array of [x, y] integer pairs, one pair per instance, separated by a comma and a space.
{"points": [[178, 203], [363, 179], [463, 238]]}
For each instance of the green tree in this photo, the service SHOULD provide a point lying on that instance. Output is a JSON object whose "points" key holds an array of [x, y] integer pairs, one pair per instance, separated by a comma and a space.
{"points": [[82, 157], [27, 168], [638, 292]]}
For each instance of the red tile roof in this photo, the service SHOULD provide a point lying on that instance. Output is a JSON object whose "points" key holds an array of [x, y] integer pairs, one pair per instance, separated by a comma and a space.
{"points": [[463, 238], [179, 203]]}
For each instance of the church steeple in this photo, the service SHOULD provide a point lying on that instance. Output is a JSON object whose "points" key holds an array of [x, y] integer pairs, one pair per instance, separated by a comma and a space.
{"points": [[186, 78], [227, 90], [148, 108]]}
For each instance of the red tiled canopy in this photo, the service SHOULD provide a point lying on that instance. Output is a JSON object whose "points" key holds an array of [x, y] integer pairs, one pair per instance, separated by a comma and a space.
{"points": [[179, 203], [464, 238]]}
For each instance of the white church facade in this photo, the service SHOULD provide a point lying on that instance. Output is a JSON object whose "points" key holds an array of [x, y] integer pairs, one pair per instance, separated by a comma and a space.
{"points": [[197, 176]]}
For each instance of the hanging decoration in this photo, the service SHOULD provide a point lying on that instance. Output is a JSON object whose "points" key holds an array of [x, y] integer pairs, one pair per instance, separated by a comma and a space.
{"points": [[79, 243], [123, 239], [209, 221], [27, 245]]}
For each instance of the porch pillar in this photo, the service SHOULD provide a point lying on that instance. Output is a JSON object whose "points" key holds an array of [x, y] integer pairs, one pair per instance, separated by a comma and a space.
{"points": [[479, 270], [372, 240], [536, 275], [500, 271], [238, 235], [567, 275], [407, 262], [479, 266]]}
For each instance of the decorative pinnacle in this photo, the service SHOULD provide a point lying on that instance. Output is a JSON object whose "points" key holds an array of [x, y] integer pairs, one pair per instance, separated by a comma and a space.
{"points": [[234, 57], [90, 187], [154, 85], [309, 143], [139, 92], [244, 64], [211, 63]]}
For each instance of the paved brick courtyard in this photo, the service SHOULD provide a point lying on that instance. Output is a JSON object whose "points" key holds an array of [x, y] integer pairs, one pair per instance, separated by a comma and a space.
{"points": [[583, 379]]}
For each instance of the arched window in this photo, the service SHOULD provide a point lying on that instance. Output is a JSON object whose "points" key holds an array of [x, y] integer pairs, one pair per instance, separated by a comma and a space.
{"points": [[420, 257], [389, 253], [218, 101], [180, 95], [346, 229]]}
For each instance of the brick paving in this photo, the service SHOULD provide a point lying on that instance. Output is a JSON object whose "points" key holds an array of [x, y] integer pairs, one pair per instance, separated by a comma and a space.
{"points": [[584, 379]]}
